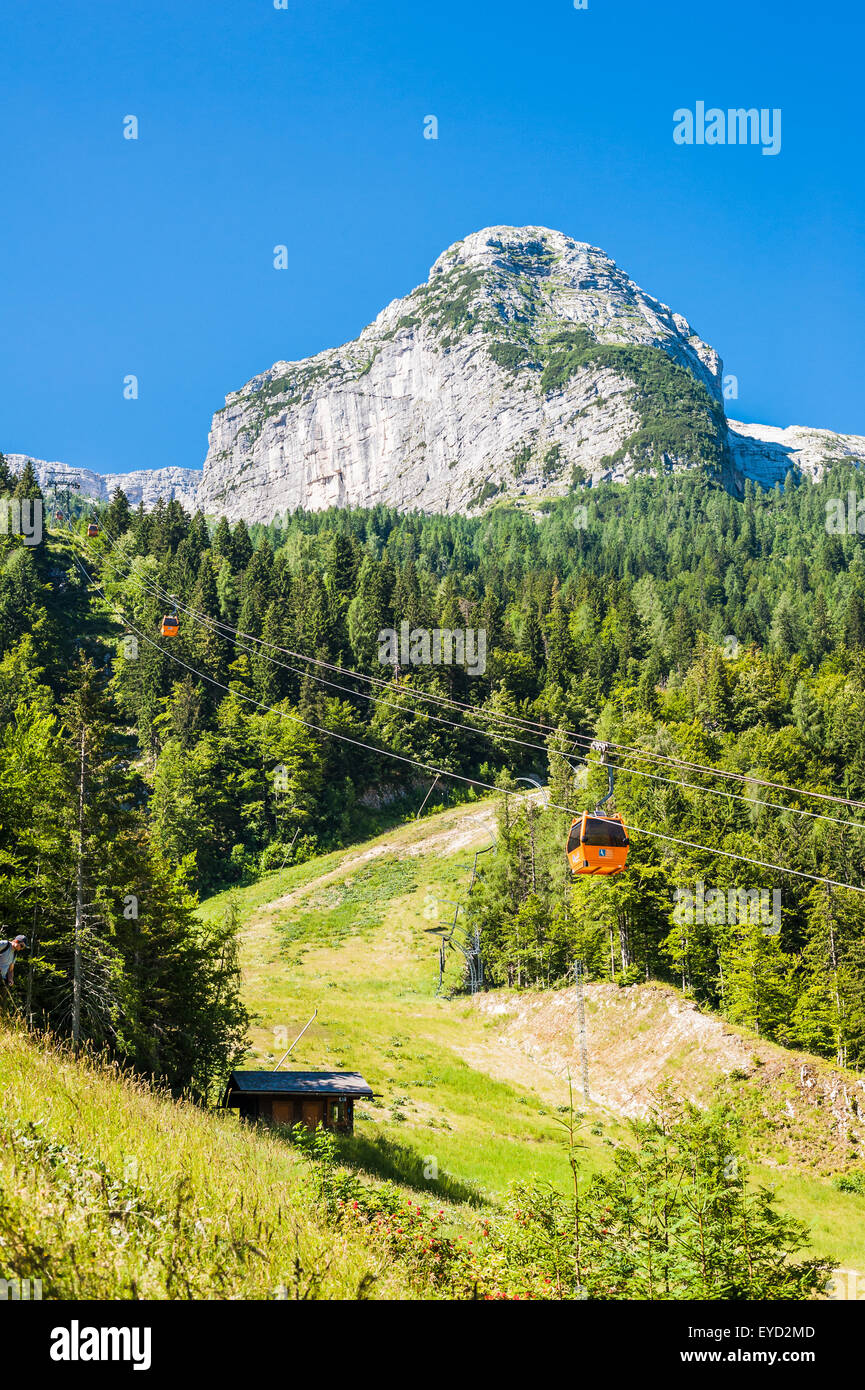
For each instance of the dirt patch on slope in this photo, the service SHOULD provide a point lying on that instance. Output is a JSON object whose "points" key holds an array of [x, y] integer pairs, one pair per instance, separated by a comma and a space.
{"points": [[797, 1107], [410, 841]]}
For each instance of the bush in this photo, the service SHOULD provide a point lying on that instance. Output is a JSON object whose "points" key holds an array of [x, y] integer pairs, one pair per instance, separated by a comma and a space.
{"points": [[850, 1182], [672, 1220], [511, 356]]}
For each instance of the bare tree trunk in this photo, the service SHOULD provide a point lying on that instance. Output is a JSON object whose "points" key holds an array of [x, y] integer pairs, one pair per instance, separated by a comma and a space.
{"points": [[841, 1052], [532, 840], [79, 909], [28, 1007], [625, 940]]}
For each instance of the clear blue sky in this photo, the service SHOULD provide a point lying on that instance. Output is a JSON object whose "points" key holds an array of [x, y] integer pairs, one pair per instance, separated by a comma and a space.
{"points": [[304, 126]]}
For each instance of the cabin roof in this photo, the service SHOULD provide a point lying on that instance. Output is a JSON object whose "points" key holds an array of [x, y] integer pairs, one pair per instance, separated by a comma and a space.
{"points": [[299, 1083]]}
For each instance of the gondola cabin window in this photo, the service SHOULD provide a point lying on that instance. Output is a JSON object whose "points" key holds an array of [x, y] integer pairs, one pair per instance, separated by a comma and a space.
{"points": [[600, 831]]}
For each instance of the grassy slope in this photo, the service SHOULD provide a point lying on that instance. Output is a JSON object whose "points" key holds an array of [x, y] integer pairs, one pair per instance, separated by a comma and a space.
{"points": [[351, 934], [111, 1191], [375, 990]]}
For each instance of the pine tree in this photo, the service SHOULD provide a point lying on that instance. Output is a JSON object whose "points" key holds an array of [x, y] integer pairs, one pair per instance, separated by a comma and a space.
{"points": [[209, 644], [222, 539], [369, 614], [854, 621], [717, 700], [27, 484], [241, 547], [118, 518]]}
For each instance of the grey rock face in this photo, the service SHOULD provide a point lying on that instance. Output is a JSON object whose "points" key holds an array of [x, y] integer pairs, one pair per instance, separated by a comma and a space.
{"points": [[440, 403], [767, 454]]}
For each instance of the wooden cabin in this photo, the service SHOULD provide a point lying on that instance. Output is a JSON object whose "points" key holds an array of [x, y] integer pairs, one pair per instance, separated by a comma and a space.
{"points": [[311, 1098]]}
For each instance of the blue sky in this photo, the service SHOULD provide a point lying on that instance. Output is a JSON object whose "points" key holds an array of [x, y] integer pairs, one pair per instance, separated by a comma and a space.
{"points": [[304, 126]]}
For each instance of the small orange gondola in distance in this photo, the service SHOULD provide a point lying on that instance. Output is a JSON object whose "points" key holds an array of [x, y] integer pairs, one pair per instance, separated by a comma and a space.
{"points": [[597, 844], [93, 529], [170, 625]]}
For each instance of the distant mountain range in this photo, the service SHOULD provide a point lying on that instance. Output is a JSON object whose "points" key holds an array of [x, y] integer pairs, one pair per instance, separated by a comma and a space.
{"points": [[147, 485], [526, 362]]}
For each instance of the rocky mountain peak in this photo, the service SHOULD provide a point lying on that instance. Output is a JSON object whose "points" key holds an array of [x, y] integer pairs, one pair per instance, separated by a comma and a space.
{"points": [[523, 357]]}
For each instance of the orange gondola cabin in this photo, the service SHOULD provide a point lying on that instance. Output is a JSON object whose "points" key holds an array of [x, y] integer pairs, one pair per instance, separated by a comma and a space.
{"points": [[93, 529], [597, 844], [170, 625]]}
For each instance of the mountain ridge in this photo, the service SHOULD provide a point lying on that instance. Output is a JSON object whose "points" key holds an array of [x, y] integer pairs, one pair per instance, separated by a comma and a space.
{"points": [[526, 363], [145, 485]]}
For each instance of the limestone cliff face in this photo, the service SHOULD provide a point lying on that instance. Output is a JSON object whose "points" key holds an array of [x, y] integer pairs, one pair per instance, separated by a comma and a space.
{"points": [[525, 362], [501, 373], [767, 454]]}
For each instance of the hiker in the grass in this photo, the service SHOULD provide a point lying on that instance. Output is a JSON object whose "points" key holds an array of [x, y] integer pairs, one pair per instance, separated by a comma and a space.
{"points": [[8, 952]]}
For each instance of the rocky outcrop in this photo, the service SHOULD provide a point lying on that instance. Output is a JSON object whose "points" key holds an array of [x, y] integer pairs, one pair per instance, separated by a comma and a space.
{"points": [[767, 454], [526, 360], [794, 1105]]}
